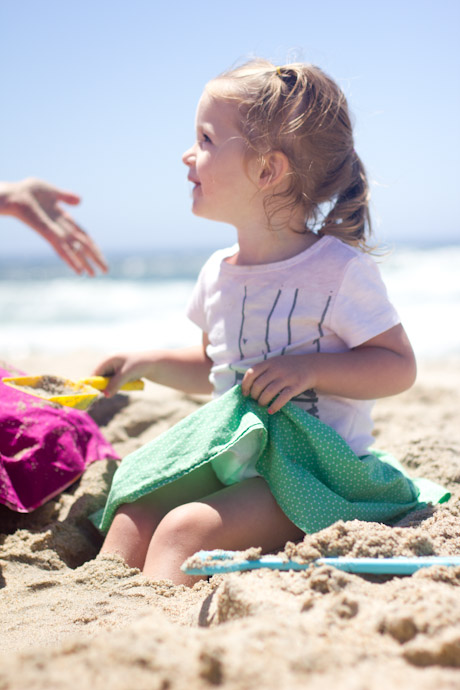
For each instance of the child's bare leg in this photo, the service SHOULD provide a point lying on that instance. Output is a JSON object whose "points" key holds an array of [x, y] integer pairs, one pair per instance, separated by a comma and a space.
{"points": [[235, 517], [134, 523]]}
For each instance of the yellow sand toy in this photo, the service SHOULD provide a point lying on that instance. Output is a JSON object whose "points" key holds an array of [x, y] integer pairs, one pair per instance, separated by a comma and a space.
{"points": [[78, 394]]}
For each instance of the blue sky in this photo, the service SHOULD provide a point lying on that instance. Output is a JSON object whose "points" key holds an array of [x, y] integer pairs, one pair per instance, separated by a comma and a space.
{"points": [[99, 96]]}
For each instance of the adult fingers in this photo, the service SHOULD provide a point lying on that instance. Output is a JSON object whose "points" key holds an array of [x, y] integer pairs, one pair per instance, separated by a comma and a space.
{"points": [[40, 187], [82, 245], [68, 197], [75, 243], [33, 215]]}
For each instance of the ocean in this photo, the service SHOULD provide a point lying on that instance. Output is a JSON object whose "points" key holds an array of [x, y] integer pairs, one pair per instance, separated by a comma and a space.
{"points": [[45, 309]]}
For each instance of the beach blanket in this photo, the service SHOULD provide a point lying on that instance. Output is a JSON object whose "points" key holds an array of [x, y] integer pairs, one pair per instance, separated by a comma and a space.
{"points": [[313, 474], [43, 447]]}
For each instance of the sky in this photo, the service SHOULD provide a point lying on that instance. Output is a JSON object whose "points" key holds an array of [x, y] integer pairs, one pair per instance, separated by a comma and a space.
{"points": [[99, 97]]}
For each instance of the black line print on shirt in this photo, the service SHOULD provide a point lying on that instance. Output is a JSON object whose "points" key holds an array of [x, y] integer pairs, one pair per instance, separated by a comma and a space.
{"points": [[240, 339], [289, 321], [267, 329], [308, 397], [320, 325]]}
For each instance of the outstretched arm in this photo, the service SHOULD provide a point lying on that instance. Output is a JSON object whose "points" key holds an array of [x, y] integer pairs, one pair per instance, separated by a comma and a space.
{"points": [[186, 369], [36, 203], [382, 366]]}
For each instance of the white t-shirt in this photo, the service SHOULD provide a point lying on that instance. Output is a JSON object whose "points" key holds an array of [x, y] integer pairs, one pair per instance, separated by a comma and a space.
{"points": [[329, 298]]}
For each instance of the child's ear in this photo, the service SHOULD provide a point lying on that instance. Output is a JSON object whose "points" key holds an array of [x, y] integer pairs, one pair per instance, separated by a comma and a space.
{"points": [[274, 167]]}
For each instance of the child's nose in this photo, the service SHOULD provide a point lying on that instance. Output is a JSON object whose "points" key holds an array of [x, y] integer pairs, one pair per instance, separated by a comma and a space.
{"points": [[188, 156]]}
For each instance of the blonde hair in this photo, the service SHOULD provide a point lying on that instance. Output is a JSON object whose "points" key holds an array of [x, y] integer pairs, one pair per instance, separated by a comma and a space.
{"points": [[299, 110]]}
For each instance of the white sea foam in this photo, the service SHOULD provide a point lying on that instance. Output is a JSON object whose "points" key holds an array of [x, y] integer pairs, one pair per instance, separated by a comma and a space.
{"points": [[424, 285], [67, 315], [142, 304]]}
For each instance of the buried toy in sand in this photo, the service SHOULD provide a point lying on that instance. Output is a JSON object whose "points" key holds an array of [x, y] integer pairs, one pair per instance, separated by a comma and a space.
{"points": [[44, 448], [219, 561]]}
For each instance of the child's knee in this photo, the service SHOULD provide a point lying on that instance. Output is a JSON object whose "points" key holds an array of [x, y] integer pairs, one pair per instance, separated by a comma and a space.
{"points": [[130, 534], [134, 517], [188, 524]]}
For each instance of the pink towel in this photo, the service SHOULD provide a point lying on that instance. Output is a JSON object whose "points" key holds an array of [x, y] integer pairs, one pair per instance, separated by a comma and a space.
{"points": [[43, 448]]}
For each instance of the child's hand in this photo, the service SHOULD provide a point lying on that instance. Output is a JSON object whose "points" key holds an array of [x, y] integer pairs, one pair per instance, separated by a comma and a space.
{"points": [[120, 369], [277, 380]]}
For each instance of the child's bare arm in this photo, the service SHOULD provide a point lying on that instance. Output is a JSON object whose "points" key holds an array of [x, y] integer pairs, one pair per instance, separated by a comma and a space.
{"points": [[382, 366], [186, 369]]}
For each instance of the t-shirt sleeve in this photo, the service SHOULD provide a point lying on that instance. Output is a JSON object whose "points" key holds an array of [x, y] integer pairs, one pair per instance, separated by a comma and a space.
{"points": [[205, 286], [362, 309]]}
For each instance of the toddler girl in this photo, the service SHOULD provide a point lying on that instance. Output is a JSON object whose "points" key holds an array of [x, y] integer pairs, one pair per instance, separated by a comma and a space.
{"points": [[298, 339]]}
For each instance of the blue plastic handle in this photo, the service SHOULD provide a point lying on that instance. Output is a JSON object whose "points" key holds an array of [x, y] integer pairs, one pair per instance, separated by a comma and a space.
{"points": [[221, 561]]}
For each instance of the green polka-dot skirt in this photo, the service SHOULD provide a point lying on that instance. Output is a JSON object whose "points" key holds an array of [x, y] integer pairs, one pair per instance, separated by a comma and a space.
{"points": [[313, 474]]}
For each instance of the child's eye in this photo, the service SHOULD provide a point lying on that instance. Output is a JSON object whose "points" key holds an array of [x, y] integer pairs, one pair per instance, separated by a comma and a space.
{"points": [[206, 139]]}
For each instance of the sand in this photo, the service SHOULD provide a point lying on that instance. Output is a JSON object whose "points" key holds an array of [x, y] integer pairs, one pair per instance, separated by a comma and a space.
{"points": [[70, 618]]}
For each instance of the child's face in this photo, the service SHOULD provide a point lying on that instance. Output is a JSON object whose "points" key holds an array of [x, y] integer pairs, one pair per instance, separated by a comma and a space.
{"points": [[223, 184]]}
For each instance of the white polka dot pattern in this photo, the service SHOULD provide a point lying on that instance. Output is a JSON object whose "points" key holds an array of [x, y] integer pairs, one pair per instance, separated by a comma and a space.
{"points": [[313, 474]]}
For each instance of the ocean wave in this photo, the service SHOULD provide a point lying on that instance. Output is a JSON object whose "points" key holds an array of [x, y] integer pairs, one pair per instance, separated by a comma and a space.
{"points": [[139, 307]]}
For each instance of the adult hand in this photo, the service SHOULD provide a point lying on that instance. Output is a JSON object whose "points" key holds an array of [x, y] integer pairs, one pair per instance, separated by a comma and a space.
{"points": [[36, 203]]}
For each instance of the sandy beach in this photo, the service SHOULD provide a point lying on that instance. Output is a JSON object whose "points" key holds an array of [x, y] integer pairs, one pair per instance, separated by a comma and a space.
{"points": [[70, 618]]}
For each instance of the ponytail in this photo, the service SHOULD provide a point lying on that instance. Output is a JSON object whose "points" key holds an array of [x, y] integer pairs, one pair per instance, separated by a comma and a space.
{"points": [[349, 218]]}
